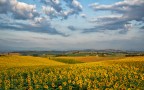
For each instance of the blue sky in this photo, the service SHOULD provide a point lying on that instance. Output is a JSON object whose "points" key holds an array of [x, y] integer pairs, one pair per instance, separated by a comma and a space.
{"points": [[71, 24]]}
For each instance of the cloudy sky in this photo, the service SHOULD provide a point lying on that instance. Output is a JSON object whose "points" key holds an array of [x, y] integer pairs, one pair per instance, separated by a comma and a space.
{"points": [[71, 24]]}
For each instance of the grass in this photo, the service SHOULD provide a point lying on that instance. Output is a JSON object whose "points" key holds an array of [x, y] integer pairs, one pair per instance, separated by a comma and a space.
{"points": [[87, 58], [66, 60]]}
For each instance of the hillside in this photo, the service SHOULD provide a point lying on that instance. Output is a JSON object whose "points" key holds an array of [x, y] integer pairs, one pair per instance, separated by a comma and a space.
{"points": [[43, 74], [86, 58], [16, 61]]}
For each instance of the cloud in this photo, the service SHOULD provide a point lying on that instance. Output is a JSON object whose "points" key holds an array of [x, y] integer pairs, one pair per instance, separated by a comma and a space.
{"points": [[83, 15], [20, 16], [123, 11], [57, 9], [129, 9], [107, 23], [18, 10], [39, 25], [142, 27], [72, 28], [107, 40], [53, 3], [24, 11], [52, 8], [67, 13], [75, 8], [50, 11], [74, 4]]}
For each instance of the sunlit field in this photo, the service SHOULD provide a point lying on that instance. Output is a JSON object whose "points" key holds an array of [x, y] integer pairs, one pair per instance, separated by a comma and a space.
{"points": [[20, 61], [87, 58], [35, 73]]}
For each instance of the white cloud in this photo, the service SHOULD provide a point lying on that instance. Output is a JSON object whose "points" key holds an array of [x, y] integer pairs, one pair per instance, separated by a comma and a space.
{"points": [[19, 10], [130, 9], [76, 5], [50, 12], [28, 29], [83, 15], [123, 12], [56, 9], [53, 3], [100, 40]]}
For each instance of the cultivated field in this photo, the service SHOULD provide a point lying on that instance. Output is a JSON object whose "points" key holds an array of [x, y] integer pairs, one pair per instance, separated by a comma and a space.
{"points": [[86, 58], [20, 61], [35, 73]]}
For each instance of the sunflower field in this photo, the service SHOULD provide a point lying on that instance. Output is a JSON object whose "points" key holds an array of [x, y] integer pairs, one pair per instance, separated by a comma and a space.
{"points": [[42, 74]]}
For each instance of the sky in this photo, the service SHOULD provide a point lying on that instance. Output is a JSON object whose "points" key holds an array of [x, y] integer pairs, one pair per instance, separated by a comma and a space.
{"points": [[71, 24]]}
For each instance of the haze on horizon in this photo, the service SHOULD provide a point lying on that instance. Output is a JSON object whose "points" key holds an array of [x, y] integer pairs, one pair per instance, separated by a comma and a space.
{"points": [[71, 24]]}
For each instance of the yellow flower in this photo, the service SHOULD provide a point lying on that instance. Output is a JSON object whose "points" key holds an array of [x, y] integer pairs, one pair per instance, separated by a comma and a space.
{"points": [[107, 89], [60, 87], [46, 86], [30, 88], [53, 85], [142, 77], [116, 85], [69, 81], [76, 78], [128, 89], [37, 86], [73, 82], [64, 83], [70, 87], [122, 87], [132, 86]]}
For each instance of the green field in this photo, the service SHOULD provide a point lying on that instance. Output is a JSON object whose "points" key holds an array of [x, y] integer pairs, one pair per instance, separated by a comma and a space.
{"points": [[36, 73]]}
